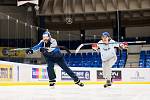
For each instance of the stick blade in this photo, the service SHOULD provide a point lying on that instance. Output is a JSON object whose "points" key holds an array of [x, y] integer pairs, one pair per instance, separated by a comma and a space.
{"points": [[78, 48], [19, 49]]}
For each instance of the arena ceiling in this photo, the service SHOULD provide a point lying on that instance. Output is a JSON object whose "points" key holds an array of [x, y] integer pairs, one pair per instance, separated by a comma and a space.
{"points": [[94, 13], [8, 2], [91, 14]]}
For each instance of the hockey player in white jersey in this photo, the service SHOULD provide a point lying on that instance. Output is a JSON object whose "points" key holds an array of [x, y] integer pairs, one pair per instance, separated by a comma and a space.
{"points": [[108, 55]]}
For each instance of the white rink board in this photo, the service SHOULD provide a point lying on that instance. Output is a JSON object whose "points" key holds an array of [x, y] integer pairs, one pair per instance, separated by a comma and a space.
{"points": [[136, 74], [34, 73]]}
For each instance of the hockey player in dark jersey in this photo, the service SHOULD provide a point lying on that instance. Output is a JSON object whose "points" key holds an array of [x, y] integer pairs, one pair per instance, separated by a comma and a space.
{"points": [[49, 48]]}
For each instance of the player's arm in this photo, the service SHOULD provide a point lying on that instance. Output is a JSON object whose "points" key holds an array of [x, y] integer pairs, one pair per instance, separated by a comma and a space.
{"points": [[38, 46], [35, 48], [123, 45], [95, 46], [120, 45]]}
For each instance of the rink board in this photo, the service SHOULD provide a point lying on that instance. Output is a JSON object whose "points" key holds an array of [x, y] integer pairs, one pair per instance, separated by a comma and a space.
{"points": [[27, 74]]}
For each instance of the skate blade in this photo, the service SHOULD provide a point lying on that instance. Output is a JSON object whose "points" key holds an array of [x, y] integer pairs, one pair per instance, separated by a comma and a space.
{"points": [[106, 86], [81, 85]]}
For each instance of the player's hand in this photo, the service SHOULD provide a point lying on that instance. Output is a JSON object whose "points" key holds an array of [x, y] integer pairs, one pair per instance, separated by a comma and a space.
{"points": [[29, 51], [43, 50], [94, 46], [124, 45]]}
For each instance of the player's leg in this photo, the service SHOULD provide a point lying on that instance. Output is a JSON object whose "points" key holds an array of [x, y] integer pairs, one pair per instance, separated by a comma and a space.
{"points": [[105, 65], [51, 72], [111, 63], [61, 62], [107, 73]]}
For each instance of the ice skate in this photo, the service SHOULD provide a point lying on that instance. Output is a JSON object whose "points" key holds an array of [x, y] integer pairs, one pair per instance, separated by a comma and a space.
{"points": [[52, 85], [108, 83], [79, 83]]}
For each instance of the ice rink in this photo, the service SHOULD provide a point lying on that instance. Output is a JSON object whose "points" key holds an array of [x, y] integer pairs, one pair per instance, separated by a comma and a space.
{"points": [[73, 92]]}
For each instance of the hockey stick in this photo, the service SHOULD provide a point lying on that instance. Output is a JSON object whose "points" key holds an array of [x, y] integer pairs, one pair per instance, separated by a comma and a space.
{"points": [[84, 44], [64, 48], [21, 49]]}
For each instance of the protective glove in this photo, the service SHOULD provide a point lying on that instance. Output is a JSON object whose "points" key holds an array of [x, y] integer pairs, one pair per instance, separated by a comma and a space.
{"points": [[29, 51], [94, 46], [124, 45], [43, 50]]}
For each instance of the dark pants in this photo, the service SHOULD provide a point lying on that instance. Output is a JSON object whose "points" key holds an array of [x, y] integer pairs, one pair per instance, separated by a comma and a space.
{"points": [[51, 59]]}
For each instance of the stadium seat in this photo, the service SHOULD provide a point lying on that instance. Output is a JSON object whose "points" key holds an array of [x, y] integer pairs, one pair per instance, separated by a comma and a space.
{"points": [[144, 60], [94, 60]]}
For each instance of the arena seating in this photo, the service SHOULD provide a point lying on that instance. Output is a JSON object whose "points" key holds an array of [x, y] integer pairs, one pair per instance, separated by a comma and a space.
{"points": [[93, 59], [144, 61]]}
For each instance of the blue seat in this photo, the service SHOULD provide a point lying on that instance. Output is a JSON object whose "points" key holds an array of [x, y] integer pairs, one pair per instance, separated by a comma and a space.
{"points": [[115, 66], [95, 54], [144, 60], [148, 52], [89, 55], [93, 59]]}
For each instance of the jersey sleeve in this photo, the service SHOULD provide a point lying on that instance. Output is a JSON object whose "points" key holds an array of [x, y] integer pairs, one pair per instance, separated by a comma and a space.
{"points": [[115, 44], [54, 43], [99, 43], [38, 46]]}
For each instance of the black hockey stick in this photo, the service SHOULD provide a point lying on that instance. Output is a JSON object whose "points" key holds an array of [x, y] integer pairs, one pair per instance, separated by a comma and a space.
{"points": [[64, 48], [22, 49]]}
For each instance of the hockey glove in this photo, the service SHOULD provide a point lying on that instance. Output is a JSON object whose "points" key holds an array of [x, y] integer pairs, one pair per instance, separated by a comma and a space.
{"points": [[29, 51], [94, 46], [124, 45], [43, 50]]}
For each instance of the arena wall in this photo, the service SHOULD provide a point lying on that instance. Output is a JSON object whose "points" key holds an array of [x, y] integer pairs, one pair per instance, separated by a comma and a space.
{"points": [[130, 32], [13, 30], [138, 31], [25, 74]]}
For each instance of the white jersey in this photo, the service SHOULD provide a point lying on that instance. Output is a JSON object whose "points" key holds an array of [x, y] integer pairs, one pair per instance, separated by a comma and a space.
{"points": [[108, 51]]}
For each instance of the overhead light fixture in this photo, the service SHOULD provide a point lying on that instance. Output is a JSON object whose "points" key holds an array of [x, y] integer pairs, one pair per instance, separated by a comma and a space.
{"points": [[69, 20]]}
